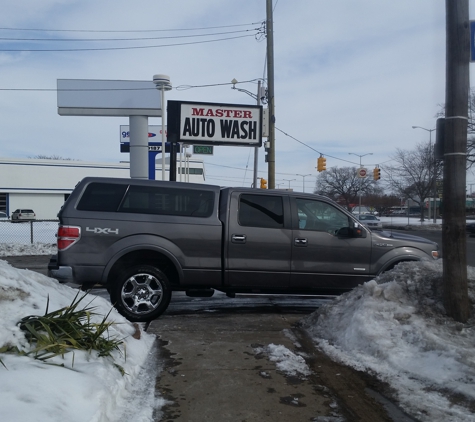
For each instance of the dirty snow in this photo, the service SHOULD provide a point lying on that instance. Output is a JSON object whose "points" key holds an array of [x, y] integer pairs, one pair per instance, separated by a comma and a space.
{"points": [[395, 327], [80, 387], [285, 360]]}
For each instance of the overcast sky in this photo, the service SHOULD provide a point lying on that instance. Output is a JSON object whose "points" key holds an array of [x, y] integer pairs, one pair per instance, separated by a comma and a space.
{"points": [[350, 76]]}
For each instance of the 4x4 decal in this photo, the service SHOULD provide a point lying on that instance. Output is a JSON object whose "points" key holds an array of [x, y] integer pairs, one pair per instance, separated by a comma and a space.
{"points": [[99, 230]]}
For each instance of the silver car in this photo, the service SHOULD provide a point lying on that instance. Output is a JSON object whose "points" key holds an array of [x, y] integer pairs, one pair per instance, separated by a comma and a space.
{"points": [[23, 214], [370, 221], [3, 215]]}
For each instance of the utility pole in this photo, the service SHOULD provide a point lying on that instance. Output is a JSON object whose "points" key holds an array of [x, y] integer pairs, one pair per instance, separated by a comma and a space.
{"points": [[270, 92], [455, 156]]}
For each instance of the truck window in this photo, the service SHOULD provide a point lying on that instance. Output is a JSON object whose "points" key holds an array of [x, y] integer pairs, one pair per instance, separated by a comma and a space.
{"points": [[261, 211], [320, 216], [168, 201], [102, 197]]}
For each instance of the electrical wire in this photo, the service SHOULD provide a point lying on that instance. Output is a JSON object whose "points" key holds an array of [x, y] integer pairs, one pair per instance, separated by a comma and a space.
{"points": [[178, 88], [126, 31], [125, 39], [17, 50], [313, 149]]}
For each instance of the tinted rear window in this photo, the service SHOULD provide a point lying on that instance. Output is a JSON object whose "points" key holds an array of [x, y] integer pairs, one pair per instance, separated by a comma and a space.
{"points": [[261, 211], [110, 197], [102, 197], [167, 201]]}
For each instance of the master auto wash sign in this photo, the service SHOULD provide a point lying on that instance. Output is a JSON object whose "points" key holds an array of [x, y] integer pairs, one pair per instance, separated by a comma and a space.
{"points": [[214, 124]]}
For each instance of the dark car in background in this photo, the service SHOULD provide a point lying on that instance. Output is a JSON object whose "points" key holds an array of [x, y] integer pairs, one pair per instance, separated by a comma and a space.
{"points": [[471, 228]]}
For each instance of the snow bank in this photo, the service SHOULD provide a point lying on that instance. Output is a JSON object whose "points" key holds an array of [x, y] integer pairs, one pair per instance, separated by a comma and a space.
{"points": [[396, 328], [81, 387]]}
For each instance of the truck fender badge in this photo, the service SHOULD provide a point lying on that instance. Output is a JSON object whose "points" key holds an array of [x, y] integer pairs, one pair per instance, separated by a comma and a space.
{"points": [[99, 230], [385, 245]]}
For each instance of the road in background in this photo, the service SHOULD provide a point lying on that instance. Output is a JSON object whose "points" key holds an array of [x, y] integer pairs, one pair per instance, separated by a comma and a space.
{"points": [[436, 236]]}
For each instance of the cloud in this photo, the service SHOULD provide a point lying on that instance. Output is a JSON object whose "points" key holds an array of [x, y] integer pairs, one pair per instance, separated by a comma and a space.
{"points": [[349, 76]]}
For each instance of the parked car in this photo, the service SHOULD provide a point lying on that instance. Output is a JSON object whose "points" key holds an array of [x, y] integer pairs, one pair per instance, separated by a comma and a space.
{"points": [[370, 221], [23, 214], [471, 229], [3, 215]]}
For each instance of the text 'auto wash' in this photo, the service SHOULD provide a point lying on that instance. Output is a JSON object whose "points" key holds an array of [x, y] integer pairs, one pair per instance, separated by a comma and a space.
{"points": [[238, 124]]}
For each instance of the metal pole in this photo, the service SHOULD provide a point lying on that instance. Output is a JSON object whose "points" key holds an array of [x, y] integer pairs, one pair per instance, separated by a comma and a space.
{"points": [[303, 180], [361, 188], [181, 162], [163, 131], [256, 149], [361, 179], [434, 181]]}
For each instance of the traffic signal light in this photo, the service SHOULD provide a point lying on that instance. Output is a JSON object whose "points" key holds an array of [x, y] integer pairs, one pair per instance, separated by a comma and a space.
{"points": [[321, 163], [377, 173], [263, 184]]}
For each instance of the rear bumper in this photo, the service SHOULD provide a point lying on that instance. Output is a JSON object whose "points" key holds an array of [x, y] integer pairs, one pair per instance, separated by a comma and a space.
{"points": [[63, 274]]}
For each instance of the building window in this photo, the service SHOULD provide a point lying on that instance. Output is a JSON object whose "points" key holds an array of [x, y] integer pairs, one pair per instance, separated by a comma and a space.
{"points": [[184, 170], [3, 202]]}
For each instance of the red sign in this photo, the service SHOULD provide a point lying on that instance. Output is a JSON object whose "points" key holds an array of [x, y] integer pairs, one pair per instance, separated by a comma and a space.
{"points": [[362, 172]]}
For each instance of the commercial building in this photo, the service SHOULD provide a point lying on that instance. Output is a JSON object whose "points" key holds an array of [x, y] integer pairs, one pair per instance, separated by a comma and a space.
{"points": [[44, 185]]}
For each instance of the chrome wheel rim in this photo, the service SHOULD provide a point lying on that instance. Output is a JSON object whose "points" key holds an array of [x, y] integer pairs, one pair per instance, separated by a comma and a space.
{"points": [[142, 293]]}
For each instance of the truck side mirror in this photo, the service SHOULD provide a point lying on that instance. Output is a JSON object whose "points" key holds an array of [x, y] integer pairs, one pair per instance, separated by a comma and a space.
{"points": [[358, 230]]}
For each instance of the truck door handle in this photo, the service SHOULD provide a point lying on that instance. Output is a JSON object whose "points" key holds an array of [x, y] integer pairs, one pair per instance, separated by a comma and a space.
{"points": [[238, 238], [300, 241]]}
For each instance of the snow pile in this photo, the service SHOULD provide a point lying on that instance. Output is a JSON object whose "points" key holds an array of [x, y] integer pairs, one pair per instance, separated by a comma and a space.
{"points": [[79, 387], [396, 328], [285, 360], [15, 249]]}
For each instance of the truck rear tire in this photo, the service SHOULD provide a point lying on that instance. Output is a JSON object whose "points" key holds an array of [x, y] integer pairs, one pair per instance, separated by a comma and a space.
{"points": [[141, 293]]}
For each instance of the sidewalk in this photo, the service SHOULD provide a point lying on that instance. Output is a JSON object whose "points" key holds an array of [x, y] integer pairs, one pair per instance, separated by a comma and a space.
{"points": [[216, 371]]}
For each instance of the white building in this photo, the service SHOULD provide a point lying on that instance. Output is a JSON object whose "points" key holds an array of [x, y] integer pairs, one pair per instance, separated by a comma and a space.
{"points": [[44, 185]]}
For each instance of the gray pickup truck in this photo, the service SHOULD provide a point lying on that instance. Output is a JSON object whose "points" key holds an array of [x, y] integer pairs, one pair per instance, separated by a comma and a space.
{"points": [[143, 239]]}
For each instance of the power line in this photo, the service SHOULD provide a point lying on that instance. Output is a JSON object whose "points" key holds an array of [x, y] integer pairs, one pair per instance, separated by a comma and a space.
{"points": [[125, 31], [42, 50], [178, 88], [313, 149], [124, 39]]}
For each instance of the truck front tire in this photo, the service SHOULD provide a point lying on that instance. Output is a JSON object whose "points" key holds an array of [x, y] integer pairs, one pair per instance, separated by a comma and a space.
{"points": [[141, 293]]}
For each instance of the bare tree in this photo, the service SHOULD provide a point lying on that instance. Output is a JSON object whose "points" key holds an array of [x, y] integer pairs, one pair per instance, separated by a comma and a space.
{"points": [[51, 157], [343, 185], [415, 174], [381, 202]]}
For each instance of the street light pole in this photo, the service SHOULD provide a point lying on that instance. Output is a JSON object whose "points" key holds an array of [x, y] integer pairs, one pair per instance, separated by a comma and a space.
{"points": [[162, 82], [433, 176], [257, 97], [288, 180], [361, 179], [303, 180]]}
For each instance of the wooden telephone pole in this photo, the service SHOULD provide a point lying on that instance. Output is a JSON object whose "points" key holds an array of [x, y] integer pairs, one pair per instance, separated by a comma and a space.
{"points": [[455, 156], [270, 94]]}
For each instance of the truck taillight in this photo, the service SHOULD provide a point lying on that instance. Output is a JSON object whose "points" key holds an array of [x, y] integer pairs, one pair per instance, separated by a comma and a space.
{"points": [[67, 236]]}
